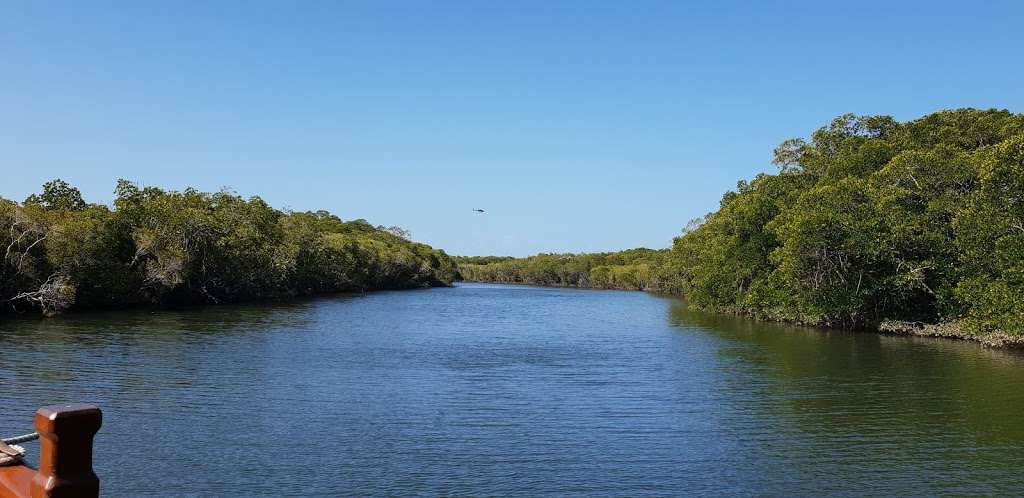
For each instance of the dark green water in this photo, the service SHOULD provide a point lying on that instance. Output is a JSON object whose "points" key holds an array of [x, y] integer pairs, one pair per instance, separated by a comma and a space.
{"points": [[508, 390]]}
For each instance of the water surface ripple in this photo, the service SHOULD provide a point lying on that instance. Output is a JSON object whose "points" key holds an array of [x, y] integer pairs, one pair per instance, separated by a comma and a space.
{"points": [[515, 391]]}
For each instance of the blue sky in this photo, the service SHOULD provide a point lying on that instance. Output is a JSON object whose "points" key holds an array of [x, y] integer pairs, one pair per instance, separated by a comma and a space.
{"points": [[578, 126]]}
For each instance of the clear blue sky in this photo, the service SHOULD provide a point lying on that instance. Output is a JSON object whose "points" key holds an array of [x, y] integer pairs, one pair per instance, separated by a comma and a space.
{"points": [[577, 126]]}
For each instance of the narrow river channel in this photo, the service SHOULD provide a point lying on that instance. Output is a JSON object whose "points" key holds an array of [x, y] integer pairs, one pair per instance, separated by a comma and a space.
{"points": [[515, 391]]}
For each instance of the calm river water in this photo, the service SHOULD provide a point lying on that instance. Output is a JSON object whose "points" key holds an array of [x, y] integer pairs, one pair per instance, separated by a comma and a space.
{"points": [[514, 390]]}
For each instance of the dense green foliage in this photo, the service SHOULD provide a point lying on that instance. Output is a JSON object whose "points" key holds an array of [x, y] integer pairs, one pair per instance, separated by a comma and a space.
{"points": [[874, 220], [158, 246], [480, 260], [635, 269]]}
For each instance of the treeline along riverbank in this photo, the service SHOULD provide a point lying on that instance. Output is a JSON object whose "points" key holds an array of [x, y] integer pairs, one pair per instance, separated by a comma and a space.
{"points": [[634, 269], [159, 246], [903, 226]]}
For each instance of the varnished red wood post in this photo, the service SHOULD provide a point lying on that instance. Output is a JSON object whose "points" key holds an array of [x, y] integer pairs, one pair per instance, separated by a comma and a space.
{"points": [[65, 451]]}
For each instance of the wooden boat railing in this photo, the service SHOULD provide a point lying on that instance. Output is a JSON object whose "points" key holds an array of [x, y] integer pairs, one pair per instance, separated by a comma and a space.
{"points": [[65, 456]]}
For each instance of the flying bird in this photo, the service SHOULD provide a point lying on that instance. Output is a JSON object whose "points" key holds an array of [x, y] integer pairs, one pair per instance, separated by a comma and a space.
{"points": [[479, 210]]}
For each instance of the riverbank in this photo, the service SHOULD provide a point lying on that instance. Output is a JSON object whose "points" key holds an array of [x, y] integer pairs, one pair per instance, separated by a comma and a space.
{"points": [[952, 330], [949, 330]]}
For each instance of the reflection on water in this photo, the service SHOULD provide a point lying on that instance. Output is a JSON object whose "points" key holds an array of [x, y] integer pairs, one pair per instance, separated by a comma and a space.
{"points": [[515, 390], [907, 414]]}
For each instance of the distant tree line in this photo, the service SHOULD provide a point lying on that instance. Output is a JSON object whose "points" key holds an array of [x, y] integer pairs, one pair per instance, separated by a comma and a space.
{"points": [[480, 260], [634, 269], [160, 246], [872, 223]]}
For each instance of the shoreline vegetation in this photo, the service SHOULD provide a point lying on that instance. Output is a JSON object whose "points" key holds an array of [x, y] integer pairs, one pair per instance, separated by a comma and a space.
{"points": [[167, 247], [908, 228]]}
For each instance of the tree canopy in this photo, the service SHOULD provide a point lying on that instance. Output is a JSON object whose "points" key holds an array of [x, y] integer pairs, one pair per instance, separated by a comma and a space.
{"points": [[874, 220], [160, 246]]}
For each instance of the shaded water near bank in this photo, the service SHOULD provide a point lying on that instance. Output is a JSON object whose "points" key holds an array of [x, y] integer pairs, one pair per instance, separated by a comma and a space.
{"points": [[515, 390]]}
